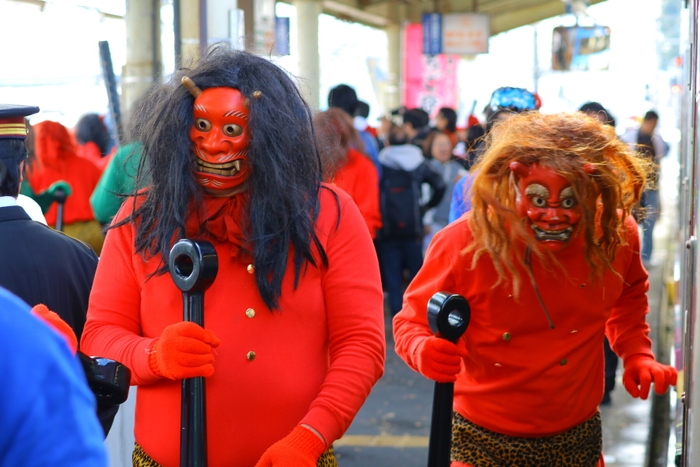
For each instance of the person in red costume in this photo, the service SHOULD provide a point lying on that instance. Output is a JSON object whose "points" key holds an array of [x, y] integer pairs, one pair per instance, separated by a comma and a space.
{"points": [[346, 167], [294, 330], [549, 262], [57, 159]]}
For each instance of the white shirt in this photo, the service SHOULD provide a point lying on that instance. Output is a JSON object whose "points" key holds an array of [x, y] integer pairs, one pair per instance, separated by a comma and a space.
{"points": [[31, 207]]}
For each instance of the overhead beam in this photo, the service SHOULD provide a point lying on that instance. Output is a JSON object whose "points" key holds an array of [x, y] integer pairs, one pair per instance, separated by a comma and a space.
{"points": [[344, 11]]}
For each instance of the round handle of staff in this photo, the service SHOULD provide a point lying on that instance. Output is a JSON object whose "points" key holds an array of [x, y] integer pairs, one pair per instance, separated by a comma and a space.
{"points": [[448, 315], [193, 265]]}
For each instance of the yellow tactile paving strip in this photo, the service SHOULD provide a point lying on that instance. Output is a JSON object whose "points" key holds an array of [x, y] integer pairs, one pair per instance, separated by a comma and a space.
{"points": [[404, 441]]}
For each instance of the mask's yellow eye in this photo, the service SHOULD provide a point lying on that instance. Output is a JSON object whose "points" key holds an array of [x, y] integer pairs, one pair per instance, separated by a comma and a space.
{"points": [[202, 124], [538, 202], [232, 129], [568, 203]]}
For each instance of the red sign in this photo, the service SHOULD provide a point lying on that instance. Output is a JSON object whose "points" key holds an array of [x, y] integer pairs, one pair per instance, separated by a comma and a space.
{"points": [[430, 81]]}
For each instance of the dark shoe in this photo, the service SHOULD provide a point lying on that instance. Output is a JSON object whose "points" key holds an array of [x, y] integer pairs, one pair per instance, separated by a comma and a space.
{"points": [[606, 399]]}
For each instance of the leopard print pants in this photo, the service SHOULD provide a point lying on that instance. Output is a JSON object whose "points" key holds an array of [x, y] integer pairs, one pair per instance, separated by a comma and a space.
{"points": [[140, 459], [578, 447]]}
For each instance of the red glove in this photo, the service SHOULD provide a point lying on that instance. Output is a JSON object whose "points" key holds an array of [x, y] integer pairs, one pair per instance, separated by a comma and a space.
{"points": [[440, 359], [184, 350], [301, 448], [58, 325], [641, 370]]}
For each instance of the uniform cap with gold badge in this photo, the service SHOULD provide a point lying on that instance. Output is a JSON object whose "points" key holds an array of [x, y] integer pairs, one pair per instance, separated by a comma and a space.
{"points": [[12, 123]]}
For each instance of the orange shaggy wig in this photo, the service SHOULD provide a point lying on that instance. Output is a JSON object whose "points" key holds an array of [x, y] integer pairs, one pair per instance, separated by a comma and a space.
{"points": [[607, 178]]}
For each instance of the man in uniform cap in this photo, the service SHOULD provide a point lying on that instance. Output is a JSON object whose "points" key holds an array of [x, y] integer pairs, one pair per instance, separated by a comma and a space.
{"points": [[39, 265], [45, 402]]}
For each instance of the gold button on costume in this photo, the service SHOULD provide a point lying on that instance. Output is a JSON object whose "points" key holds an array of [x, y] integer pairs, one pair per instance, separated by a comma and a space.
{"points": [[250, 268], [250, 312], [250, 356], [506, 336]]}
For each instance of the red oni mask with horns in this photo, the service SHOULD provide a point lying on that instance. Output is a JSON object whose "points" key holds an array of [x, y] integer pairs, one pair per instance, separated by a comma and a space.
{"points": [[220, 141], [547, 205]]}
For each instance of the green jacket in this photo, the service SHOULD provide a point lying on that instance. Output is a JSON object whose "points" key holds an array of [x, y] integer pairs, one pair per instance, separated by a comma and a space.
{"points": [[117, 181]]}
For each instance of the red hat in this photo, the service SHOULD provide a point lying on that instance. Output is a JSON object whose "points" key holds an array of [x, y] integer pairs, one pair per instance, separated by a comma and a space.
{"points": [[12, 123]]}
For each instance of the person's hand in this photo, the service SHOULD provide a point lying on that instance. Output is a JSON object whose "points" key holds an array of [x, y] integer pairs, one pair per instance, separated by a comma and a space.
{"points": [[439, 359], [60, 184], [55, 321], [301, 448], [184, 350], [642, 370]]}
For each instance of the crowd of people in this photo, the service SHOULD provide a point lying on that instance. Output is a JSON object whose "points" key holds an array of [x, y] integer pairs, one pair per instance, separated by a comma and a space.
{"points": [[317, 230]]}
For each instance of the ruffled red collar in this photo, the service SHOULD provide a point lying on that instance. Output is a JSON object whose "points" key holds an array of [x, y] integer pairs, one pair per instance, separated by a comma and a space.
{"points": [[223, 220]]}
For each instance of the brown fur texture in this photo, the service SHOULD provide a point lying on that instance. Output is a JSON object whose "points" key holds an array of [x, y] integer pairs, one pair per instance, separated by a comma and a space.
{"points": [[607, 178]]}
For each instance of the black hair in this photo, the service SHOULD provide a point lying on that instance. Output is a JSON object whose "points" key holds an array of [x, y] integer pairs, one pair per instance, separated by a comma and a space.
{"points": [[594, 107], [598, 109], [451, 117], [397, 135], [651, 115], [362, 109], [90, 128], [475, 132], [282, 202], [418, 118], [343, 96], [492, 117], [12, 153]]}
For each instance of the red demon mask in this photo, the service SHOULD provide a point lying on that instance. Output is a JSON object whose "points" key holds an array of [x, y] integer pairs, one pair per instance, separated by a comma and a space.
{"points": [[220, 141], [548, 206]]}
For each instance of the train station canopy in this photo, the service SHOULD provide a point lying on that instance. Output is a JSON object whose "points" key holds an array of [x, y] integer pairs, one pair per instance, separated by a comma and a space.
{"points": [[505, 14]]}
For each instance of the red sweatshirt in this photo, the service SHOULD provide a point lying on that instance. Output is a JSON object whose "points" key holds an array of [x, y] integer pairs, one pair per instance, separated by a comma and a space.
{"points": [[521, 378], [316, 358], [57, 159], [358, 177]]}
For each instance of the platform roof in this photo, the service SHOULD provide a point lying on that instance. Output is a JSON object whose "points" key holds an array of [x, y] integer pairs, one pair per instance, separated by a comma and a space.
{"points": [[505, 14]]}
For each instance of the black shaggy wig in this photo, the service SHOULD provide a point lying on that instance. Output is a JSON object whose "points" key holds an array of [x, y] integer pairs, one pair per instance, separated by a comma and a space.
{"points": [[284, 181]]}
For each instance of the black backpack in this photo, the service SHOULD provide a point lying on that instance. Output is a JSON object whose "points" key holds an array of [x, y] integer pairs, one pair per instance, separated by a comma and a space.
{"points": [[400, 195]]}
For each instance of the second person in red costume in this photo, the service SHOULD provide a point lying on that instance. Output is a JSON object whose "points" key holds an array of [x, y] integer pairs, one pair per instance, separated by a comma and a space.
{"points": [[549, 261]]}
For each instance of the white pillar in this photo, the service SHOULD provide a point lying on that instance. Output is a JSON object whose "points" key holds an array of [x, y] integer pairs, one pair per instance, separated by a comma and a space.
{"points": [[307, 42], [142, 56], [393, 91]]}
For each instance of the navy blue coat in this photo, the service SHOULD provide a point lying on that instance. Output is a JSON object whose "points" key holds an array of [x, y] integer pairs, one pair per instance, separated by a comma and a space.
{"points": [[41, 265]]}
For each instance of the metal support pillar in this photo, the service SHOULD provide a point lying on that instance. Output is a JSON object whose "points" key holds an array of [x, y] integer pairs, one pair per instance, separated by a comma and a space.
{"points": [[309, 58]]}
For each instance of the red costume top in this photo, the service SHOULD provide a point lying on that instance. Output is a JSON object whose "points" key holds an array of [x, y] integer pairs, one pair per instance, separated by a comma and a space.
{"points": [[57, 159], [521, 378], [315, 358], [359, 178], [92, 152]]}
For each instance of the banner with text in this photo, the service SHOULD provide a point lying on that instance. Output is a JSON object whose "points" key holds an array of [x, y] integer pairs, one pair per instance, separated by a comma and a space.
{"points": [[430, 81]]}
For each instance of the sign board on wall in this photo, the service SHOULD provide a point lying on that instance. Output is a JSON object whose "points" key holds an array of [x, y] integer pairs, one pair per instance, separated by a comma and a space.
{"points": [[581, 48], [465, 33], [282, 35], [264, 24], [430, 81], [432, 33]]}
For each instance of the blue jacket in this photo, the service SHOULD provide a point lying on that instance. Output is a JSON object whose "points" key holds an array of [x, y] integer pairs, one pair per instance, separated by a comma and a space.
{"points": [[47, 412]]}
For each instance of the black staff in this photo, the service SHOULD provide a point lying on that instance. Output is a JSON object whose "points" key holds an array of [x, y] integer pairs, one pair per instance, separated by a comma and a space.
{"points": [[448, 317], [193, 267], [60, 196]]}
